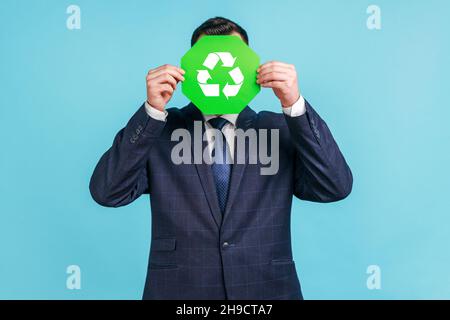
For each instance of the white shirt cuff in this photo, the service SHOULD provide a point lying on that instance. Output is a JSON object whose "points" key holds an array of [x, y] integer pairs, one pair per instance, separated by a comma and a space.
{"points": [[155, 113], [297, 109]]}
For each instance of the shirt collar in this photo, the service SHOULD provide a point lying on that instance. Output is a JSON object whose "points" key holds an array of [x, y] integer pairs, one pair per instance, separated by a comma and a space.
{"points": [[232, 118]]}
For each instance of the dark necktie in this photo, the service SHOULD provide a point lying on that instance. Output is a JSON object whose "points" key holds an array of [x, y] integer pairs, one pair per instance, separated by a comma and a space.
{"points": [[221, 170]]}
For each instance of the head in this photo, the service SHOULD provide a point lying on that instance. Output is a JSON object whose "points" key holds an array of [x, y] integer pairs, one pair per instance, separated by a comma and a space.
{"points": [[218, 26]]}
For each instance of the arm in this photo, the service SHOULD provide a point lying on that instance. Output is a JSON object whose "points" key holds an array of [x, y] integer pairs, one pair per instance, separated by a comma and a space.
{"points": [[121, 175], [321, 173]]}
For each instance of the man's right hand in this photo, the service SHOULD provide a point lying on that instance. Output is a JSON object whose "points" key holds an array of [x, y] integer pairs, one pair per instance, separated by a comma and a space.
{"points": [[161, 84]]}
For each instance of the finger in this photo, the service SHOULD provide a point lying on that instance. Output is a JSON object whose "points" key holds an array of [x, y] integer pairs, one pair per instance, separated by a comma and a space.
{"points": [[274, 84], [275, 63], [168, 67], [174, 73], [274, 69], [274, 76], [167, 88], [165, 78]]}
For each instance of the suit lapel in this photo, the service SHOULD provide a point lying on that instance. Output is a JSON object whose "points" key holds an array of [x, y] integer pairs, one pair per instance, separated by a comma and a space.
{"points": [[204, 170], [245, 121]]}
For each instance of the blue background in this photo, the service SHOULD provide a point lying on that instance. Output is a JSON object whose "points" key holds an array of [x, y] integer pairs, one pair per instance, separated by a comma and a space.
{"points": [[384, 94]]}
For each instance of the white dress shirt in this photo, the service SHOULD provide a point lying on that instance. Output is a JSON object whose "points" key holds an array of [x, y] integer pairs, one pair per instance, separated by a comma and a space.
{"points": [[296, 110]]}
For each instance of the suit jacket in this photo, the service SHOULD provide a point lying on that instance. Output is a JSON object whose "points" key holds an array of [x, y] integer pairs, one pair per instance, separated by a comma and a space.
{"points": [[196, 252]]}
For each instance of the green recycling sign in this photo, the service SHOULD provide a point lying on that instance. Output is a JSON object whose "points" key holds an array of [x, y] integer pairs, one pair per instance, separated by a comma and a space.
{"points": [[220, 74]]}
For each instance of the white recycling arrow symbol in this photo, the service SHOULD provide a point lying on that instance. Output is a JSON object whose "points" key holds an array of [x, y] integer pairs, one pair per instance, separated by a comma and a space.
{"points": [[213, 90]]}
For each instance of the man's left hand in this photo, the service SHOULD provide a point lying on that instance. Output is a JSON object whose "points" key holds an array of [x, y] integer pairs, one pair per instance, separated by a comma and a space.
{"points": [[282, 78]]}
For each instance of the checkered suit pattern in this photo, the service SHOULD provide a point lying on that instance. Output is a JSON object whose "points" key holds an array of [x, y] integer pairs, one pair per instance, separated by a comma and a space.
{"points": [[196, 251]]}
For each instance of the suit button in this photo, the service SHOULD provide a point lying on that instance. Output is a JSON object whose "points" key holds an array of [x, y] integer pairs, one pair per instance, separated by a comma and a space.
{"points": [[225, 244]]}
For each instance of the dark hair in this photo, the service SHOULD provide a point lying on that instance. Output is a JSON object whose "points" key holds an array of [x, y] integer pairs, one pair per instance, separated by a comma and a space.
{"points": [[218, 26]]}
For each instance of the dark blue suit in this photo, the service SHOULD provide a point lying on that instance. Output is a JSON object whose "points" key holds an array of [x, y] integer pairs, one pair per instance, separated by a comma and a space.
{"points": [[196, 252]]}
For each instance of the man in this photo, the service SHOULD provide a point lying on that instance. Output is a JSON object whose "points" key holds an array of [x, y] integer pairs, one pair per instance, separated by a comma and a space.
{"points": [[221, 231]]}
